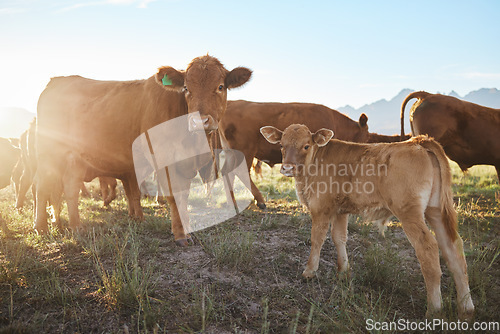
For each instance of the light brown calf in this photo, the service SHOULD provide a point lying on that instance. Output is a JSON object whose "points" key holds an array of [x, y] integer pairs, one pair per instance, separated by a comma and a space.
{"points": [[410, 180]]}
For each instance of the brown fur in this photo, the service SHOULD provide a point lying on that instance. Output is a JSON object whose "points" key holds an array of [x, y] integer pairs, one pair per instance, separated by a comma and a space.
{"points": [[414, 183], [377, 138], [468, 132], [86, 127]]}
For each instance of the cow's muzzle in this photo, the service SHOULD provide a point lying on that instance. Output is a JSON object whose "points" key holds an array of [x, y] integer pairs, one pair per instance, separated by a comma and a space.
{"points": [[288, 169], [202, 123]]}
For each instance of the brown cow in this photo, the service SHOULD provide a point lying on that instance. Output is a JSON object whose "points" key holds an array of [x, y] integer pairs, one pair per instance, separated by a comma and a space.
{"points": [[9, 156], [468, 132], [86, 128], [243, 119], [411, 180]]}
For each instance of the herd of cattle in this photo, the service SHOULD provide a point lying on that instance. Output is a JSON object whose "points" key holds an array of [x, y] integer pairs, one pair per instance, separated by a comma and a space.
{"points": [[85, 129]]}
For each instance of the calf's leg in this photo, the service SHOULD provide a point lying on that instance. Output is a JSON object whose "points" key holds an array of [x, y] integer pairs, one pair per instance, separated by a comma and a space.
{"points": [[320, 224], [453, 254], [339, 237], [426, 249]]}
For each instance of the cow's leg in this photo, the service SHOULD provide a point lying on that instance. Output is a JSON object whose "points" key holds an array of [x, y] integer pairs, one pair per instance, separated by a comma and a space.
{"points": [[426, 249], [320, 224], [56, 204], [498, 173], [24, 184], [45, 180], [339, 237], [108, 189], [104, 190], [453, 254], [180, 218], [73, 183], [84, 190], [133, 194], [257, 195], [111, 182]]}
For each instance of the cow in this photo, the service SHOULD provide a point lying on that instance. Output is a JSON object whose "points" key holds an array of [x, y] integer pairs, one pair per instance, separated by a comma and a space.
{"points": [[26, 165], [468, 132], [9, 155], [243, 119], [410, 180], [85, 128]]}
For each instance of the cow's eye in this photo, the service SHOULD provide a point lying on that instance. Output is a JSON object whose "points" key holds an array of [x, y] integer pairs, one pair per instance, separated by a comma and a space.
{"points": [[185, 89], [306, 147], [221, 87]]}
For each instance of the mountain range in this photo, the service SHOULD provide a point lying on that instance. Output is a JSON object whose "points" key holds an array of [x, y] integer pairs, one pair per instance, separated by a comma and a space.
{"points": [[384, 116]]}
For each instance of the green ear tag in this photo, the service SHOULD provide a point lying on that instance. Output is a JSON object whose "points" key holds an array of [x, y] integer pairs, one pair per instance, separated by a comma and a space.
{"points": [[166, 81]]}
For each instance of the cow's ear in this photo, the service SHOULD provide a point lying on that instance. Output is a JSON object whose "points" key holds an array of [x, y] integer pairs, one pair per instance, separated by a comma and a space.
{"points": [[237, 77], [170, 78], [322, 137], [363, 120], [271, 134]]}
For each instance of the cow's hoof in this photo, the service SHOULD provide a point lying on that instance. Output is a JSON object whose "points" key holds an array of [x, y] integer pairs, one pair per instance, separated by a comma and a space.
{"points": [[467, 315], [41, 229], [261, 205], [184, 242], [308, 274]]}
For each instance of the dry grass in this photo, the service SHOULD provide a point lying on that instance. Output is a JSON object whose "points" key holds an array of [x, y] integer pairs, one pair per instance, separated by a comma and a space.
{"points": [[242, 276]]}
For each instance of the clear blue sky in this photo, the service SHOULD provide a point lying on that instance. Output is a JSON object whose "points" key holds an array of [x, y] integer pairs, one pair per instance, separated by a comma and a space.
{"points": [[329, 52]]}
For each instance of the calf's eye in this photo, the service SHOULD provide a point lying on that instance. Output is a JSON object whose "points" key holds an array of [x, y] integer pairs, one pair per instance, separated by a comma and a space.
{"points": [[221, 87], [306, 147]]}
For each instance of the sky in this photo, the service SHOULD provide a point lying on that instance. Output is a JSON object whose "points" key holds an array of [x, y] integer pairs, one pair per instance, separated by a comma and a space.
{"points": [[334, 53]]}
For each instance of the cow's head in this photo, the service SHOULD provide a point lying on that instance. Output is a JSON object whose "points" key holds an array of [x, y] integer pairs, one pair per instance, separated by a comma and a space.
{"points": [[298, 145], [204, 83]]}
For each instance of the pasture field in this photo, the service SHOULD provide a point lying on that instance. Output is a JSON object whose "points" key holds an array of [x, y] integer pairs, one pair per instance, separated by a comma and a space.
{"points": [[241, 276]]}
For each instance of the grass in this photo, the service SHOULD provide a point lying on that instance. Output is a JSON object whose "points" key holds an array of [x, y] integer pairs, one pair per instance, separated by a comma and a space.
{"points": [[241, 276]]}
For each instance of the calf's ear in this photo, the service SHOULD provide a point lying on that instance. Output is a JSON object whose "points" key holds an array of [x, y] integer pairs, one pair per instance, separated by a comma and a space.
{"points": [[237, 77], [271, 134], [170, 78], [322, 137]]}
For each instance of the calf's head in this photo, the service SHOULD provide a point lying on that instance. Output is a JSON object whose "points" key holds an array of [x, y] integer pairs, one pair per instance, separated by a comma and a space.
{"points": [[204, 83], [298, 145]]}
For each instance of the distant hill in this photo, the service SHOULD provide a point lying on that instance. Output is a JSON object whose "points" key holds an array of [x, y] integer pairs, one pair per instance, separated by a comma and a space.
{"points": [[383, 115], [14, 121]]}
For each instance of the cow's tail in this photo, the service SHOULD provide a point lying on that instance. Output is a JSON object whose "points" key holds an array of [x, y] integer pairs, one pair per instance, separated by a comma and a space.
{"points": [[415, 95], [448, 213]]}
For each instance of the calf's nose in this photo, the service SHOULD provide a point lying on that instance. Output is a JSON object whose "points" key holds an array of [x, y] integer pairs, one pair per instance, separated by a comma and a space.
{"points": [[287, 169]]}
